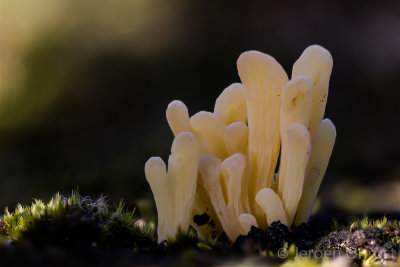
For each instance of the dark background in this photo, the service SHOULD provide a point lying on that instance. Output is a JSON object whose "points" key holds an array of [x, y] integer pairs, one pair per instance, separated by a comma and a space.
{"points": [[84, 86]]}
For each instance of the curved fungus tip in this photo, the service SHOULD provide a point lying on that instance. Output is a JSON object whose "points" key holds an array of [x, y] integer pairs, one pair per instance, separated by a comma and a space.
{"points": [[178, 117], [272, 206], [230, 105], [155, 168], [185, 142], [247, 220]]}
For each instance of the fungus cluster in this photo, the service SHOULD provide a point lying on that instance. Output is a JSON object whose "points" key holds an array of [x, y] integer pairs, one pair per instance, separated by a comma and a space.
{"points": [[223, 163]]}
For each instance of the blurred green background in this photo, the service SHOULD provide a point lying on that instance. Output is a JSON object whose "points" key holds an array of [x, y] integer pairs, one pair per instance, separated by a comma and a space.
{"points": [[84, 86]]}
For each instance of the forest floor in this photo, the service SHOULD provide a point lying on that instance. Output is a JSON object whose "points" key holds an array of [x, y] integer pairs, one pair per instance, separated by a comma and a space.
{"points": [[81, 231]]}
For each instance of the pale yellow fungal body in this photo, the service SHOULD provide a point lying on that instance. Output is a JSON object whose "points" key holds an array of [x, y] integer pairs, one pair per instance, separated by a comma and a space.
{"points": [[223, 162]]}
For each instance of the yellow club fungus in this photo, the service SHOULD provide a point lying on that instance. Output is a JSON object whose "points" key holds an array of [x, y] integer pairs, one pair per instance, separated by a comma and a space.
{"points": [[223, 163]]}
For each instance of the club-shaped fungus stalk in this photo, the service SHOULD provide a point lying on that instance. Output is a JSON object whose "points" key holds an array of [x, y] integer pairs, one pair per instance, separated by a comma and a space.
{"points": [[316, 168], [296, 105], [298, 146], [235, 176], [174, 191], [263, 79], [228, 209], [209, 167], [156, 175], [178, 120], [222, 163]]}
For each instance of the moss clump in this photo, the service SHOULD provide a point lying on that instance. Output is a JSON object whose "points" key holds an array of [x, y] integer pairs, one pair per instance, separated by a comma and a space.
{"points": [[68, 221]]}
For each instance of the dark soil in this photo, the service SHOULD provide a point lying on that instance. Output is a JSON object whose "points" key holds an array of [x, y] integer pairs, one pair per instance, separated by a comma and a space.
{"points": [[382, 243], [81, 236], [277, 236]]}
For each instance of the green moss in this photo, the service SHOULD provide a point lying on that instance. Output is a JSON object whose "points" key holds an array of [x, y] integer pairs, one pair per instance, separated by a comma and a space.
{"points": [[365, 222], [75, 219]]}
